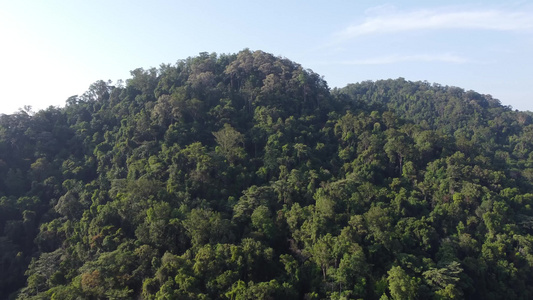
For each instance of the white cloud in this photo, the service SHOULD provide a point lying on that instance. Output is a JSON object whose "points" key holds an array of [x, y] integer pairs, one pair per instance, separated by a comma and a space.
{"points": [[391, 59], [392, 21]]}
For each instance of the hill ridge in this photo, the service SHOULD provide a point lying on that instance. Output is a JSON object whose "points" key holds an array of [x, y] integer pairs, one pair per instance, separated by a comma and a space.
{"points": [[243, 176]]}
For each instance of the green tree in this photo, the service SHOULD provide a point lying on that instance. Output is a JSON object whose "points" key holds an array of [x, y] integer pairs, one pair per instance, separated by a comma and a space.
{"points": [[230, 143], [401, 285]]}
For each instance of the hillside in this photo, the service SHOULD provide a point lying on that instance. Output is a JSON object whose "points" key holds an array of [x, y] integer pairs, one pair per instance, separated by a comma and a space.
{"points": [[244, 176]]}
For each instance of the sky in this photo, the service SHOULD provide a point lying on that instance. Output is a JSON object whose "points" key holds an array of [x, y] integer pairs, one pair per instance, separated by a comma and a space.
{"points": [[51, 50]]}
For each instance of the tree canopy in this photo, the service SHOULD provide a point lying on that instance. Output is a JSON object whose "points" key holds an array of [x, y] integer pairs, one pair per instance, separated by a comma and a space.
{"points": [[244, 176]]}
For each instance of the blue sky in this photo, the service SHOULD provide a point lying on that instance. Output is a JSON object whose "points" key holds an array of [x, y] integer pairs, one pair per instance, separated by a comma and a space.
{"points": [[52, 50]]}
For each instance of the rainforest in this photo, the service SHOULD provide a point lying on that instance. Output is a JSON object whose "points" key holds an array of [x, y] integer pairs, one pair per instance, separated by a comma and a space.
{"points": [[244, 176]]}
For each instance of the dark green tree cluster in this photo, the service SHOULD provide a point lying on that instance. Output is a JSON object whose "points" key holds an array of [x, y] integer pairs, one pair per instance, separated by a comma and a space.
{"points": [[244, 176]]}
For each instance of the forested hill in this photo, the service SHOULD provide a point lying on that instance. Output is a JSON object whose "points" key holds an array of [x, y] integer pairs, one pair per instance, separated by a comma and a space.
{"points": [[244, 176]]}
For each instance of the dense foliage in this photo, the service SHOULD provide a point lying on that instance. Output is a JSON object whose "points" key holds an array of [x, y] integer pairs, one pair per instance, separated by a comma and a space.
{"points": [[244, 177]]}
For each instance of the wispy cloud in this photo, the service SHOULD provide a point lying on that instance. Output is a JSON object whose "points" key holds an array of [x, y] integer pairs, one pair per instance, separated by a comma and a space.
{"points": [[393, 21], [391, 59], [396, 58]]}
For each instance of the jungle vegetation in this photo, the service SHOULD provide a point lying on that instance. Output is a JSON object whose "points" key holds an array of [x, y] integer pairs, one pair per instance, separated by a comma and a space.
{"points": [[244, 176]]}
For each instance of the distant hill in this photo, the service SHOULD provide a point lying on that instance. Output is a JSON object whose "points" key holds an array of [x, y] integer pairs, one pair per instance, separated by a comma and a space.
{"points": [[243, 176]]}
